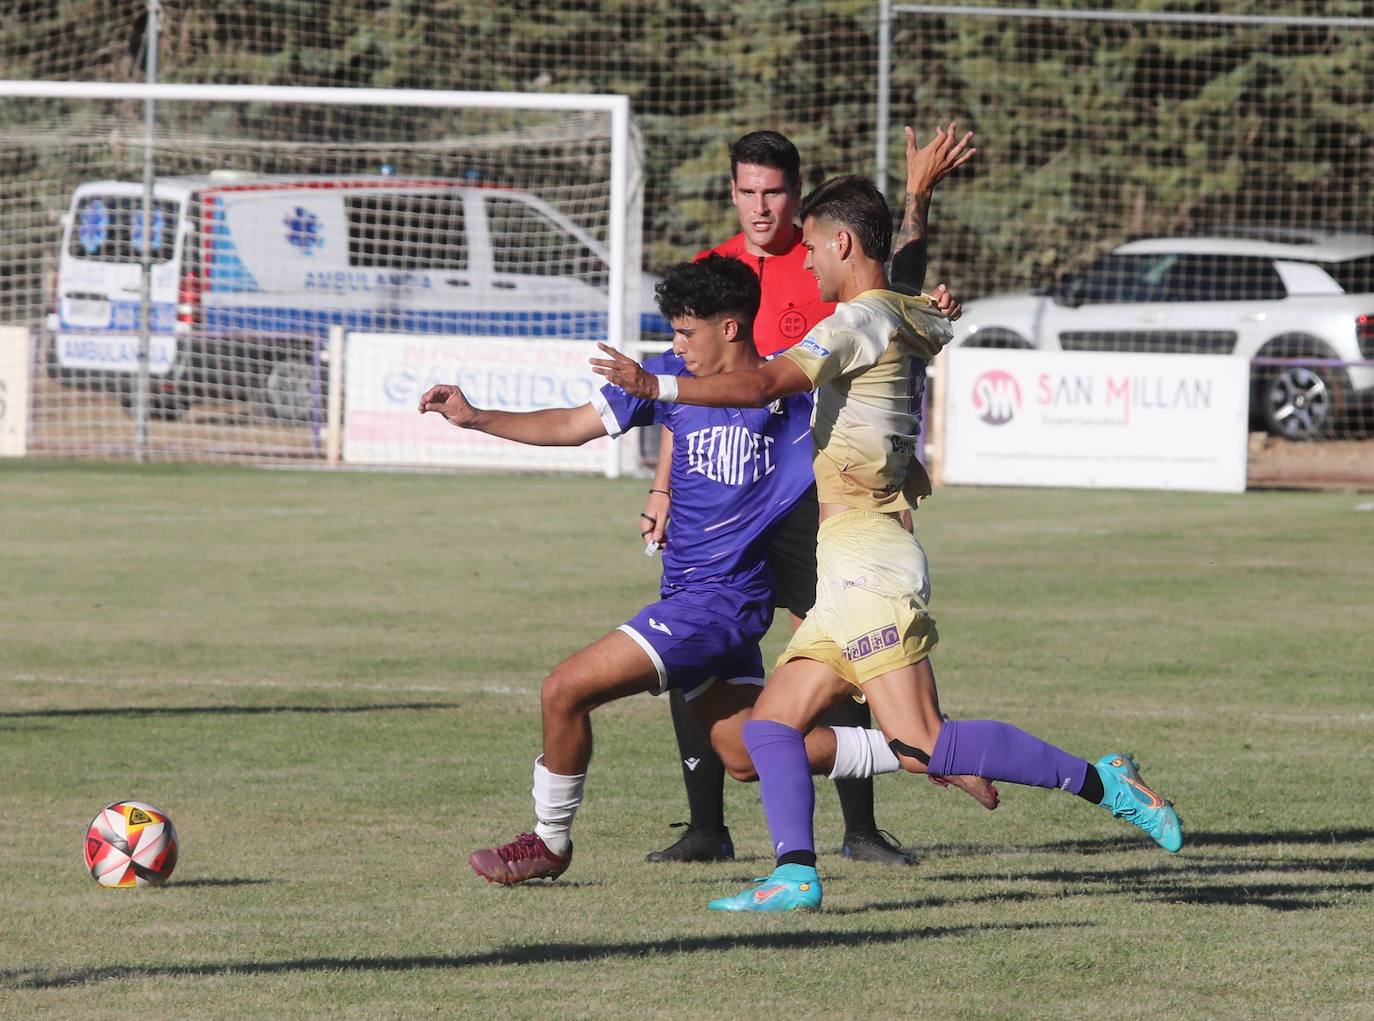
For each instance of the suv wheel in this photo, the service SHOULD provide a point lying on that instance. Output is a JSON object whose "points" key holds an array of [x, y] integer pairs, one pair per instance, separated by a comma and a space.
{"points": [[1297, 402]]}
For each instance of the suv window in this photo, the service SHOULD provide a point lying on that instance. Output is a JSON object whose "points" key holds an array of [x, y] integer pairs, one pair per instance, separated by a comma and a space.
{"points": [[526, 242], [1174, 276], [410, 232], [1121, 278], [1228, 278], [110, 228], [1355, 276]]}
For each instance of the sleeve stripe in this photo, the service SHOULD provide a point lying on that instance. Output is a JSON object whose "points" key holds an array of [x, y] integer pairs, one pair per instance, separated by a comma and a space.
{"points": [[608, 419]]}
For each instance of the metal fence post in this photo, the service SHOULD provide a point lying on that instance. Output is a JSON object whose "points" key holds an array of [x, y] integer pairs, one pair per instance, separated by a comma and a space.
{"points": [[145, 302], [884, 90]]}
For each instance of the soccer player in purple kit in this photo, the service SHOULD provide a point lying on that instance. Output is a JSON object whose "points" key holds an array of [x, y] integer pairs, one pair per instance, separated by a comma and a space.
{"points": [[870, 628], [736, 475]]}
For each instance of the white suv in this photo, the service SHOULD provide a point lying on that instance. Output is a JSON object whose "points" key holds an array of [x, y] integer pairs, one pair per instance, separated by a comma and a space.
{"points": [[1258, 294]]}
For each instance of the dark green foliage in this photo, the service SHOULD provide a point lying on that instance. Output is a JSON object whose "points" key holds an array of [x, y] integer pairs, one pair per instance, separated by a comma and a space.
{"points": [[1090, 130]]}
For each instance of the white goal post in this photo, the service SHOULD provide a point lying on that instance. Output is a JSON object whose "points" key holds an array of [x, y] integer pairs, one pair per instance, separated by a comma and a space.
{"points": [[293, 210]]}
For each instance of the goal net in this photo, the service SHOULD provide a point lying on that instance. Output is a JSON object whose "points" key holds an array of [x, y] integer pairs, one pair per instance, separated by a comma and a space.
{"points": [[1162, 182], [1238, 127], [179, 256]]}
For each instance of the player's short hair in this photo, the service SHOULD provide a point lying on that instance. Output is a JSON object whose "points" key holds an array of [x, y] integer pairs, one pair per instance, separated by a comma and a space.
{"points": [[856, 203], [767, 149], [715, 286]]}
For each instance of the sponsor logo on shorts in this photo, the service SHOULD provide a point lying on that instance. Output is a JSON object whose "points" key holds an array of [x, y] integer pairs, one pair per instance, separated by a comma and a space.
{"points": [[660, 627], [874, 641], [856, 582]]}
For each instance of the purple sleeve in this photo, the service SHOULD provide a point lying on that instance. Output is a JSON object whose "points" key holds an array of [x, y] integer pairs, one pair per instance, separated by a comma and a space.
{"points": [[620, 412]]}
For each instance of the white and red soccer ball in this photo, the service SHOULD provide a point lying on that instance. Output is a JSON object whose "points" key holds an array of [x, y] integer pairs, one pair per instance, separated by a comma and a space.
{"points": [[131, 843]]}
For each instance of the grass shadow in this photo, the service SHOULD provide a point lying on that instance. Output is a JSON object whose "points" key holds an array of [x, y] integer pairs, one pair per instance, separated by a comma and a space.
{"points": [[218, 710], [1208, 881], [925, 903], [547, 953], [1194, 839]]}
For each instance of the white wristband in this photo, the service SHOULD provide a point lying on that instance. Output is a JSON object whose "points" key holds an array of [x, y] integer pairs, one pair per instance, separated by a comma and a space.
{"points": [[667, 388]]}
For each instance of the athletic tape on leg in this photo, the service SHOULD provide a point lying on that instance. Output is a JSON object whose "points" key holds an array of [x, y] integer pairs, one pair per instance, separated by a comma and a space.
{"points": [[902, 748]]}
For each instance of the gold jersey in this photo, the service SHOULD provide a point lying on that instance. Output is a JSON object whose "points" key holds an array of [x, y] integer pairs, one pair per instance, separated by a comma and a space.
{"points": [[867, 361]]}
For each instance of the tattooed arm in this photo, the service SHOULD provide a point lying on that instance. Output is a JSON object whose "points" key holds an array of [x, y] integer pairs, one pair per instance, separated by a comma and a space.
{"points": [[925, 168]]}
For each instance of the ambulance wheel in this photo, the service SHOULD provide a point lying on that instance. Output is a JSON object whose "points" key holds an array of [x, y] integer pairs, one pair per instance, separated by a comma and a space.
{"points": [[288, 390], [161, 407]]}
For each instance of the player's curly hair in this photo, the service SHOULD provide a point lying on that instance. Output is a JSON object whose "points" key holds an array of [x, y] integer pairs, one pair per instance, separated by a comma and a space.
{"points": [[854, 202], [717, 285]]}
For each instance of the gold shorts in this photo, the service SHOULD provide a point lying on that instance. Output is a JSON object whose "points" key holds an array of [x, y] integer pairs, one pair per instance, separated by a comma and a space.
{"points": [[872, 586]]}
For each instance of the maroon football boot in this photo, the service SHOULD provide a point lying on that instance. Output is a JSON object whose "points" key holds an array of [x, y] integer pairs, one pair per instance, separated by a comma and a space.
{"points": [[525, 857]]}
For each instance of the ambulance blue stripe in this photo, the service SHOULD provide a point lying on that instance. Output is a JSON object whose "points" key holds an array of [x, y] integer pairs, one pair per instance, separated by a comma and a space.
{"points": [[124, 318]]}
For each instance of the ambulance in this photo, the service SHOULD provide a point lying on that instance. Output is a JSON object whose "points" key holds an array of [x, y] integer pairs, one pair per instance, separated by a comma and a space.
{"points": [[249, 272]]}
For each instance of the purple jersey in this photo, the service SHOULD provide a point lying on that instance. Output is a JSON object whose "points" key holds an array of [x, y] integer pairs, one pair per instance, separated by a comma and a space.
{"points": [[737, 472]]}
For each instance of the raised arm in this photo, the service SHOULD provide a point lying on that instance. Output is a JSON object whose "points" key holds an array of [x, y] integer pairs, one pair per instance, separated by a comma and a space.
{"points": [[551, 427], [925, 168], [751, 388]]}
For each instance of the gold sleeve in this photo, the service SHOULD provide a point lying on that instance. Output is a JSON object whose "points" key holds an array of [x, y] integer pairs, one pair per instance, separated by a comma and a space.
{"points": [[835, 348]]}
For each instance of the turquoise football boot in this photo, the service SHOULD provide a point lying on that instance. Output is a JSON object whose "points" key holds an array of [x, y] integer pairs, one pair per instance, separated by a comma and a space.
{"points": [[789, 888], [1127, 797]]}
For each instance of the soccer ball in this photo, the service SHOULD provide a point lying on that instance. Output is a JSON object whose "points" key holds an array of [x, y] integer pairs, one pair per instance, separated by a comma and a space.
{"points": [[131, 843]]}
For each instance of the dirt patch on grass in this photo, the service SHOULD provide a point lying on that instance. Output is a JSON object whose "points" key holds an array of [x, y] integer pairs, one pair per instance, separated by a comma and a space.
{"points": [[1330, 464]]}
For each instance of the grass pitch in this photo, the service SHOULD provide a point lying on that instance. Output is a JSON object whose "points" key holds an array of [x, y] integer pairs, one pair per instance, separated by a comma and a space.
{"points": [[330, 681]]}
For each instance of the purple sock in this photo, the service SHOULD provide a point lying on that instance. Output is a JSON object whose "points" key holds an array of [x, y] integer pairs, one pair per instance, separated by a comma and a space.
{"points": [[998, 751], [789, 800]]}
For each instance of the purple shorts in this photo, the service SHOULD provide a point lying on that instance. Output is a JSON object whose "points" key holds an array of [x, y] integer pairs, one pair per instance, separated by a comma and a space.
{"points": [[699, 636]]}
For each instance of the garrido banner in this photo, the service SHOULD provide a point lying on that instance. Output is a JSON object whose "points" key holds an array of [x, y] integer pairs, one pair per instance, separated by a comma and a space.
{"points": [[385, 374], [1100, 420]]}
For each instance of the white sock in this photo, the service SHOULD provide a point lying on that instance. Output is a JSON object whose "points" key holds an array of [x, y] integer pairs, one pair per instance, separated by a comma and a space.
{"points": [[860, 753], [555, 803]]}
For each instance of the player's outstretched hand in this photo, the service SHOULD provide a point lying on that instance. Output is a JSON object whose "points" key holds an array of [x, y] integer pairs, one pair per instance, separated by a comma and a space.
{"points": [[927, 166], [448, 400], [625, 373], [947, 303]]}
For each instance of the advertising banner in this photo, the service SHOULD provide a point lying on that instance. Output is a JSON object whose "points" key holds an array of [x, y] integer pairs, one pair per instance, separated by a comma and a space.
{"points": [[1096, 419], [385, 374]]}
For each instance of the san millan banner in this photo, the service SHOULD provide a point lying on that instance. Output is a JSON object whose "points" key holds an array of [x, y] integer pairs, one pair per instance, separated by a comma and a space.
{"points": [[1095, 419], [385, 375]]}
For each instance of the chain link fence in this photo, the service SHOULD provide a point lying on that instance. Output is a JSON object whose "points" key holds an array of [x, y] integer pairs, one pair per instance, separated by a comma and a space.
{"points": [[1205, 161]]}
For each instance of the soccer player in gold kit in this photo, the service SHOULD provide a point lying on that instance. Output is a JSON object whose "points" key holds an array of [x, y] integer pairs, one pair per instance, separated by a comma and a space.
{"points": [[871, 628]]}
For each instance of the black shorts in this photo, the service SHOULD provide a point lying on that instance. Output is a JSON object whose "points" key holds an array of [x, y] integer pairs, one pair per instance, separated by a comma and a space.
{"points": [[792, 557]]}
